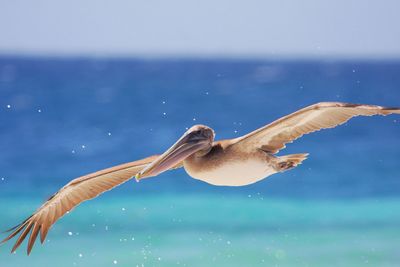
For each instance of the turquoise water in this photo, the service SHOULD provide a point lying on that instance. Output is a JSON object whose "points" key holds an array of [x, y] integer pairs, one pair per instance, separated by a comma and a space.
{"points": [[62, 118], [209, 230]]}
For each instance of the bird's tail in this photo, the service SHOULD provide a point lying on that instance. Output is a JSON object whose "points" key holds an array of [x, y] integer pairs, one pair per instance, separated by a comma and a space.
{"points": [[284, 163]]}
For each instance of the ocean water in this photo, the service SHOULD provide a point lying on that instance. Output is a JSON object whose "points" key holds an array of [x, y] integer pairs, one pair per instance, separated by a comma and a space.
{"points": [[62, 118]]}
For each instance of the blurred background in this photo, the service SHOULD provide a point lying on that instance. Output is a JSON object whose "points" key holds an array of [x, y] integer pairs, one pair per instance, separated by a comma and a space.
{"points": [[86, 85]]}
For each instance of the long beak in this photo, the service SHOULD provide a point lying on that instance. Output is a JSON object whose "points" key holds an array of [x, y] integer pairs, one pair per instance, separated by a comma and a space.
{"points": [[184, 147]]}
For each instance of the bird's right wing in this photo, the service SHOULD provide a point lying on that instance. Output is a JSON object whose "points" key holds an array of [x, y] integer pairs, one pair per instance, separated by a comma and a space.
{"points": [[71, 195]]}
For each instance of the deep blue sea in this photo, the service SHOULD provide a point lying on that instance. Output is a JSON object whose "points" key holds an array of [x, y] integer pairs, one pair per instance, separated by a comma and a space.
{"points": [[62, 118]]}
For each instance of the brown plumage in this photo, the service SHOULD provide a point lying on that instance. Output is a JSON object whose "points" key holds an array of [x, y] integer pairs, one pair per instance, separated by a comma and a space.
{"points": [[275, 135], [233, 162], [71, 195]]}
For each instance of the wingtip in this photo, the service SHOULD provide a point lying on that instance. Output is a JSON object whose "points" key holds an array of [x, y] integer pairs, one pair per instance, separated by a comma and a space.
{"points": [[14, 249], [3, 241], [11, 229]]}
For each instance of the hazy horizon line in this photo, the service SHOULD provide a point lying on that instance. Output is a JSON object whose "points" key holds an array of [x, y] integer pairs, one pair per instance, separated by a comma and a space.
{"points": [[206, 57]]}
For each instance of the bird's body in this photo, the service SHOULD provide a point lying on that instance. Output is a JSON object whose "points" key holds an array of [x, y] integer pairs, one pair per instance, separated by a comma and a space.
{"points": [[234, 162], [226, 165]]}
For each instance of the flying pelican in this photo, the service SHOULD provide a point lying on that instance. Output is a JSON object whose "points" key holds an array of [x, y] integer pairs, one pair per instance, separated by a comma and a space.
{"points": [[234, 162]]}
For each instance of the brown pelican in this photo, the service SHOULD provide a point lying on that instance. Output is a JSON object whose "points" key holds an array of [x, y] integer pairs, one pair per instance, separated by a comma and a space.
{"points": [[235, 162]]}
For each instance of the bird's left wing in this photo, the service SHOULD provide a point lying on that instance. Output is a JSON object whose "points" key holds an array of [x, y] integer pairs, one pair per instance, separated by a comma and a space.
{"points": [[273, 137], [71, 195]]}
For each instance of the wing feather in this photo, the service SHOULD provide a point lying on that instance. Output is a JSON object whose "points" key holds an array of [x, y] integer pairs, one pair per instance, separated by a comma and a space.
{"points": [[22, 236], [71, 195], [274, 136], [33, 236]]}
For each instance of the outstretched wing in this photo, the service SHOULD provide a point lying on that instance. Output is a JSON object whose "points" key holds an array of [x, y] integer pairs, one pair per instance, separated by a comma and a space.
{"points": [[71, 195], [273, 137]]}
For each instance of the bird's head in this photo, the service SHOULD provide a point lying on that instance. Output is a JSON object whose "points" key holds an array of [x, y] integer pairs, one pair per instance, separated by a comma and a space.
{"points": [[197, 140]]}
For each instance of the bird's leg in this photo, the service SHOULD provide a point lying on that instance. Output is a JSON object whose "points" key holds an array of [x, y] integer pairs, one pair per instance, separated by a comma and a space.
{"points": [[288, 162]]}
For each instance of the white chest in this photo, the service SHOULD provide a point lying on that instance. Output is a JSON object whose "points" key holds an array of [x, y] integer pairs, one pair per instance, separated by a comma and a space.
{"points": [[234, 173]]}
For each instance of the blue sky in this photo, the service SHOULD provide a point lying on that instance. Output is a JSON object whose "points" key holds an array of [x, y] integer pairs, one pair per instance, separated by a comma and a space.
{"points": [[227, 28]]}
